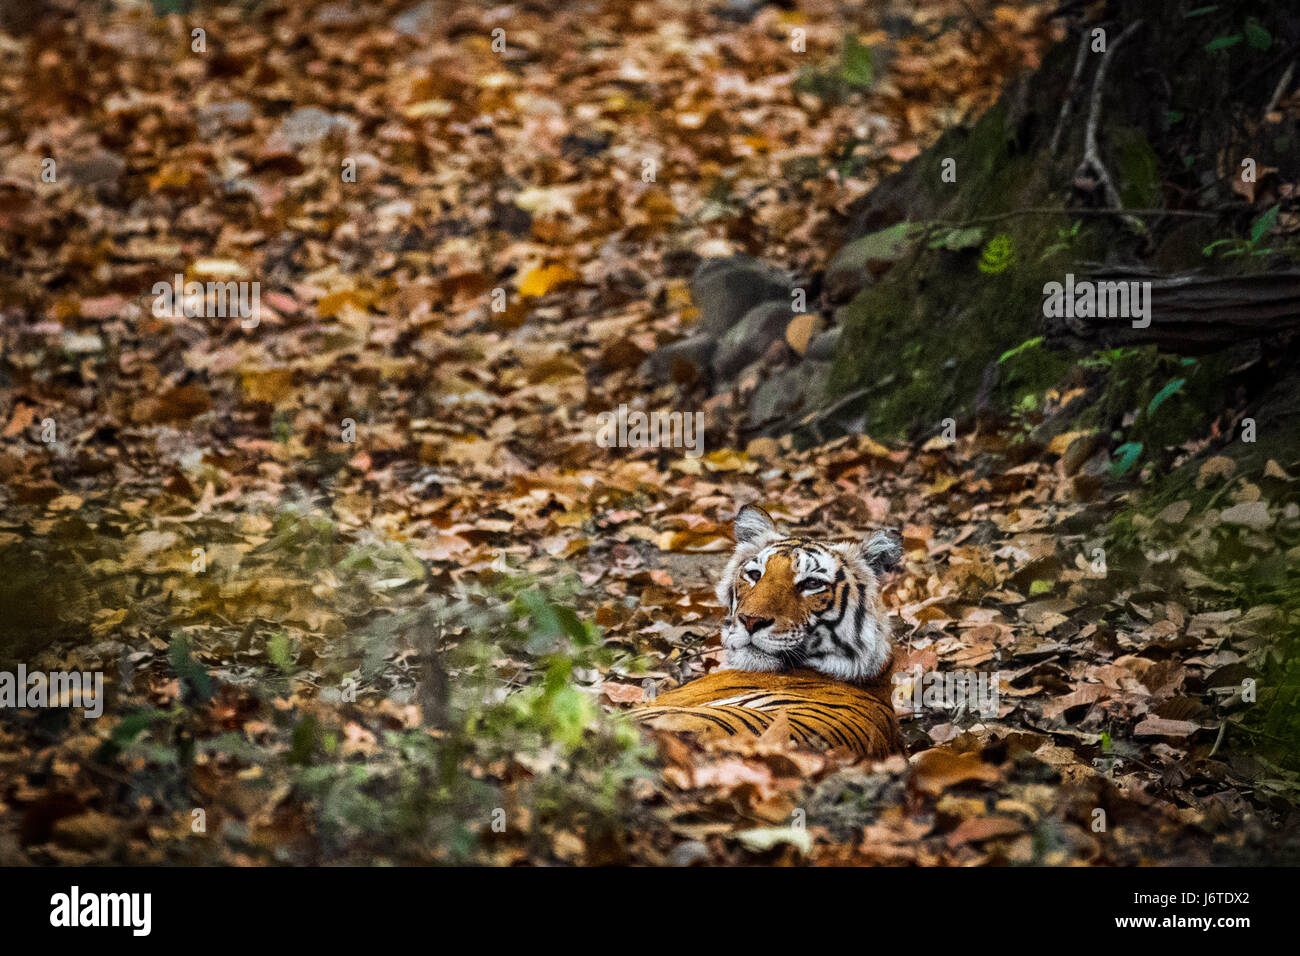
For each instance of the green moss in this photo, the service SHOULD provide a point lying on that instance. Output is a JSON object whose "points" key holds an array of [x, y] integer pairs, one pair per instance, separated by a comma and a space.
{"points": [[1170, 399], [1028, 373], [1138, 168], [918, 342]]}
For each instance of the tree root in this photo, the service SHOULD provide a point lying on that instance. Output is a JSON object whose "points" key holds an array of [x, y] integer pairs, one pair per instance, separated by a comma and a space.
{"points": [[1092, 161], [1070, 92]]}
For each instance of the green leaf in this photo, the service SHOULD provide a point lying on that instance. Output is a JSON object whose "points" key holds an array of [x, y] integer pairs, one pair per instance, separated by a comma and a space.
{"points": [[571, 712], [1126, 457], [572, 625], [1223, 43], [193, 676], [955, 240], [1024, 346], [1159, 398], [133, 725], [1200, 11], [304, 740], [1256, 34], [1263, 224], [1039, 587], [280, 652], [858, 66]]}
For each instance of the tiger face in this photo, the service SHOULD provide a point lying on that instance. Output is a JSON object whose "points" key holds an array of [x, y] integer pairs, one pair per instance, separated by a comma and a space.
{"points": [[798, 602]]}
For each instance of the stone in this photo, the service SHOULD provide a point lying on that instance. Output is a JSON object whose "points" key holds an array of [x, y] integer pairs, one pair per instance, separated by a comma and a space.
{"points": [[98, 168], [418, 21], [311, 124], [750, 337], [859, 261], [786, 392], [674, 361], [688, 853], [230, 114], [725, 289], [822, 348]]}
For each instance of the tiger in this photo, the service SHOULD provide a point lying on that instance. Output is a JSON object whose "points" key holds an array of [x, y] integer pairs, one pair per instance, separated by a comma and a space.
{"points": [[795, 601], [819, 711], [805, 636]]}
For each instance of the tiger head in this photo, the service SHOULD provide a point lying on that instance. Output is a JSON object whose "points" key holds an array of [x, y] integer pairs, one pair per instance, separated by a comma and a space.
{"points": [[799, 602]]}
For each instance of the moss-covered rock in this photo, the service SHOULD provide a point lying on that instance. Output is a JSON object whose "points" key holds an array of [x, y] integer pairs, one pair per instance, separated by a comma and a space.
{"points": [[922, 341]]}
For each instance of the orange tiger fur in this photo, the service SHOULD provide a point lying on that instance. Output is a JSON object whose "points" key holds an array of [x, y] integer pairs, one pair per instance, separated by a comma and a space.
{"points": [[819, 710], [795, 601]]}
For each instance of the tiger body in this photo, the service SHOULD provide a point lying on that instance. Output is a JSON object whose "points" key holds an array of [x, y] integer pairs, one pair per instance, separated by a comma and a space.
{"points": [[806, 636], [820, 711]]}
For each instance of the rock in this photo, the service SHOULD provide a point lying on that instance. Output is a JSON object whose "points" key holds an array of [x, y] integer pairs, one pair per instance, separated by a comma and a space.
{"points": [[311, 124], [99, 168], [419, 20], [340, 15], [787, 392], [750, 337], [822, 348], [106, 652], [1079, 450], [725, 289], [862, 259], [688, 853], [232, 114], [680, 360], [738, 11]]}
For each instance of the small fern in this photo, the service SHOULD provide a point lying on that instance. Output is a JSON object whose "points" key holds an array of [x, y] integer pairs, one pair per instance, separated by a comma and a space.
{"points": [[998, 255]]}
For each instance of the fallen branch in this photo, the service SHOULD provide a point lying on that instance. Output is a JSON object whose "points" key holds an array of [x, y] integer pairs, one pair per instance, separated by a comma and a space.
{"points": [[1193, 313]]}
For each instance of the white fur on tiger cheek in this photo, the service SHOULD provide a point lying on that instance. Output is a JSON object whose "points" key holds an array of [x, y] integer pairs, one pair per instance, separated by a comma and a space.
{"points": [[738, 653]]}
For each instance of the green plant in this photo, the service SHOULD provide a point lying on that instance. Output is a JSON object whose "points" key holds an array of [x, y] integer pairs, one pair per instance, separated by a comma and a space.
{"points": [[1065, 239], [998, 255], [502, 684], [1241, 247], [855, 71]]}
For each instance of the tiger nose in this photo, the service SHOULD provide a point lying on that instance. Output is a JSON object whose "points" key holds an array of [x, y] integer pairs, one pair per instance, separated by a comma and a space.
{"points": [[753, 623]]}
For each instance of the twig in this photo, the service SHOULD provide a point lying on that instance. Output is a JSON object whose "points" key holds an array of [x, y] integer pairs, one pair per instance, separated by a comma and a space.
{"points": [[1282, 86], [1070, 92], [1085, 211], [1091, 153], [1223, 725]]}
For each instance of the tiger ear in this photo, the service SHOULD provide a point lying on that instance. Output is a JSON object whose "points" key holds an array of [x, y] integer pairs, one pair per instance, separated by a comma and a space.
{"points": [[754, 525], [883, 551]]}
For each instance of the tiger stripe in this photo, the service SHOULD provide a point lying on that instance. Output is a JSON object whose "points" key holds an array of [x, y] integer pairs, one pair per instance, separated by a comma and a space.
{"points": [[858, 717]]}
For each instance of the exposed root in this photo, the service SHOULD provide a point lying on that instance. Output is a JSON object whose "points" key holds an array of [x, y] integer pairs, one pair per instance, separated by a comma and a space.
{"points": [[1092, 162]]}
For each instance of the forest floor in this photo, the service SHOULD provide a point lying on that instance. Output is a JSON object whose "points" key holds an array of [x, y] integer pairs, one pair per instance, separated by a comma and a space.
{"points": [[362, 582]]}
